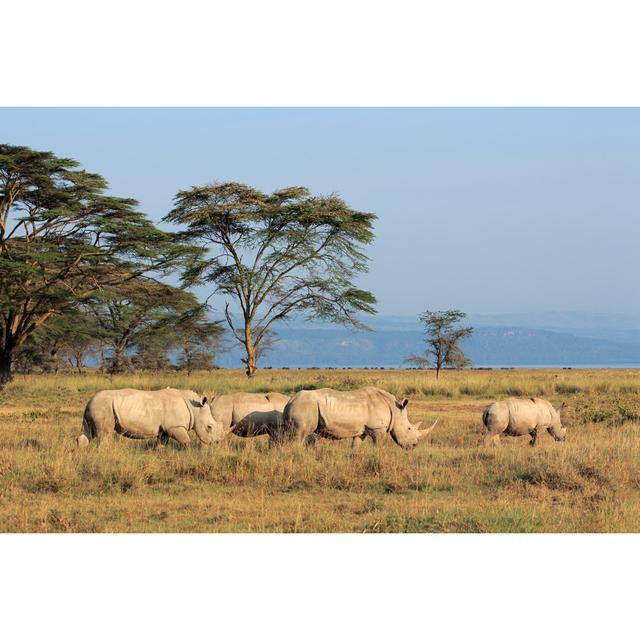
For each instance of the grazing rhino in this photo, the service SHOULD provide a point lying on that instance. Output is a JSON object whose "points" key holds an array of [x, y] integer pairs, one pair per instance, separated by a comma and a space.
{"points": [[249, 414], [327, 413], [520, 417], [164, 414]]}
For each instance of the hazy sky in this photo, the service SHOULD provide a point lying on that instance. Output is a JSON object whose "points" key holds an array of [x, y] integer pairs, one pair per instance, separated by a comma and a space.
{"points": [[487, 210]]}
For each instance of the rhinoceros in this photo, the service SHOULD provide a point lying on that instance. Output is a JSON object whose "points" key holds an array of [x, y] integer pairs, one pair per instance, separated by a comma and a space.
{"points": [[336, 415], [164, 414], [520, 417], [249, 414]]}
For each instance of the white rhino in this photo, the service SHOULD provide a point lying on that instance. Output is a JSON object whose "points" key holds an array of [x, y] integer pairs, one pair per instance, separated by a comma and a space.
{"points": [[520, 417], [249, 414], [336, 415], [164, 414]]}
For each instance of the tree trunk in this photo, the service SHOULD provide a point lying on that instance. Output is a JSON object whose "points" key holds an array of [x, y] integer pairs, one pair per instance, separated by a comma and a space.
{"points": [[56, 362], [188, 360], [119, 361], [6, 359], [251, 352]]}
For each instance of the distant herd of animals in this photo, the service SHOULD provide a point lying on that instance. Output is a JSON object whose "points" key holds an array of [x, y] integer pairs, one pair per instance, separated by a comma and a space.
{"points": [[171, 414]]}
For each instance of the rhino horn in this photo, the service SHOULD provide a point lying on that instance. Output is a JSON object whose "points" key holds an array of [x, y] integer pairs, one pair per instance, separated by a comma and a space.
{"points": [[427, 431]]}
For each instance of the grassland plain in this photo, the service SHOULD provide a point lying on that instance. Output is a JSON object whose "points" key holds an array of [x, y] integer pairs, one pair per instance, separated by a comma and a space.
{"points": [[590, 483]]}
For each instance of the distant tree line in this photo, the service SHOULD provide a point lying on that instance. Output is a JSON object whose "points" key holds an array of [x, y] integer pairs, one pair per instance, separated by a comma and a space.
{"points": [[81, 271]]}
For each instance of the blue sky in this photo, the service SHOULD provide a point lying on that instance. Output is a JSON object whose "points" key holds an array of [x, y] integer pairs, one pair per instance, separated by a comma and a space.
{"points": [[487, 210]]}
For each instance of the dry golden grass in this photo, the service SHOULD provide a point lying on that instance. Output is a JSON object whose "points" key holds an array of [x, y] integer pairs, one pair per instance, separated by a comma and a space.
{"points": [[589, 483]]}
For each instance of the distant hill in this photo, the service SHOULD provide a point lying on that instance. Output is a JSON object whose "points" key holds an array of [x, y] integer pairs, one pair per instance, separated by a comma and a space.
{"points": [[394, 338], [604, 326]]}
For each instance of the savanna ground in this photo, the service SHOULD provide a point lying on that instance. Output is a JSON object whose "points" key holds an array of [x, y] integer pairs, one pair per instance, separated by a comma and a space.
{"points": [[590, 483]]}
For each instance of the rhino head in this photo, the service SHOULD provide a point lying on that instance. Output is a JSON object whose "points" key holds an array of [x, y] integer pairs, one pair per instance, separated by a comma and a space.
{"points": [[207, 428], [556, 430], [405, 434]]}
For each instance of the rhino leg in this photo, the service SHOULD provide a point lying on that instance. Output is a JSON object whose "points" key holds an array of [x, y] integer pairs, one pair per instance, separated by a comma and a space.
{"points": [[162, 439], [180, 435], [356, 442], [491, 440], [102, 424], [311, 440], [534, 438], [376, 436], [104, 436]]}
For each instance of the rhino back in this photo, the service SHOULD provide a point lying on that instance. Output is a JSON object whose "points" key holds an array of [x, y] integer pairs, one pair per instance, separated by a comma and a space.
{"points": [[513, 416], [546, 412], [229, 409], [347, 413], [175, 407], [137, 413], [528, 413], [247, 403], [278, 400]]}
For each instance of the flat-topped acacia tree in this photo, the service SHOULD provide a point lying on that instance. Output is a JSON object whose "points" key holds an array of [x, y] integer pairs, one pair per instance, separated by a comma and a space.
{"points": [[62, 238], [276, 255], [442, 337]]}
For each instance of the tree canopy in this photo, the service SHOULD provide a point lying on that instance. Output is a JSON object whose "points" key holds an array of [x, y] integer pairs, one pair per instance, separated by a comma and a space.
{"points": [[140, 313], [197, 340], [276, 255], [443, 338], [62, 238]]}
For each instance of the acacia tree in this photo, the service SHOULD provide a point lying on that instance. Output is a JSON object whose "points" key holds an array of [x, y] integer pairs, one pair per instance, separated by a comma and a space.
{"points": [[443, 338], [197, 338], [275, 255], [152, 352], [82, 337], [68, 337], [137, 313], [61, 239], [268, 342]]}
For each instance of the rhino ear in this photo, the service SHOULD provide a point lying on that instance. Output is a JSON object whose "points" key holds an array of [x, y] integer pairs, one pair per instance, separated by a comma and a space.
{"points": [[404, 403], [204, 401]]}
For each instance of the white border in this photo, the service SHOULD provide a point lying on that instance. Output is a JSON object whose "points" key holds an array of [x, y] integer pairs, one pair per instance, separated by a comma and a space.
{"points": [[319, 586], [334, 52]]}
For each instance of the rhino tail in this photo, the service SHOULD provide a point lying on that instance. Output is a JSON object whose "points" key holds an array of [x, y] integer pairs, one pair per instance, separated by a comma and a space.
{"points": [[286, 413], [88, 429], [485, 417]]}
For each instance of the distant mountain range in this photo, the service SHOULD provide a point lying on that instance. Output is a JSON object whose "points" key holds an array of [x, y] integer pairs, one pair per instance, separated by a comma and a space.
{"points": [[518, 340]]}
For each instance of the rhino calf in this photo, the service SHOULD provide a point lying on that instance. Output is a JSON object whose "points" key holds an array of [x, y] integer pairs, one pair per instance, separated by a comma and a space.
{"points": [[520, 417], [164, 414]]}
